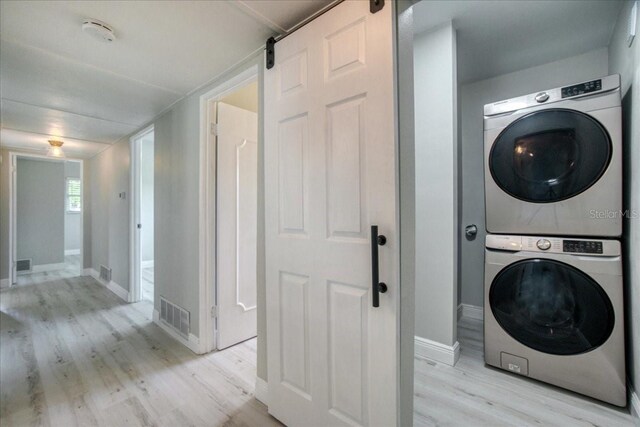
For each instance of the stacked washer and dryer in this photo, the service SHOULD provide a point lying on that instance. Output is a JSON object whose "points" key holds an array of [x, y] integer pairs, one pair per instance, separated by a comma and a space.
{"points": [[553, 264]]}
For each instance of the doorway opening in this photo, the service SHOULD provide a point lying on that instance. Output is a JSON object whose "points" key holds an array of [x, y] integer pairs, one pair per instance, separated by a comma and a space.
{"points": [[229, 227], [468, 56], [46, 218], [142, 211]]}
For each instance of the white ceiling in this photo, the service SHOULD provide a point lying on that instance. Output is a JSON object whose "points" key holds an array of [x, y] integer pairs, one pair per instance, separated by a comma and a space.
{"points": [[497, 37], [56, 81]]}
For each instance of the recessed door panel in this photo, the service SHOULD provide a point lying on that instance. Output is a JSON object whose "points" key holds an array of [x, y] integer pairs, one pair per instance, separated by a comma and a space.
{"points": [[294, 336], [292, 183], [345, 169], [347, 323]]}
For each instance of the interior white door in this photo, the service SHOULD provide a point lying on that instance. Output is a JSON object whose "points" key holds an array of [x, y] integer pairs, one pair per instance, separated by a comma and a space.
{"points": [[237, 224], [330, 173]]}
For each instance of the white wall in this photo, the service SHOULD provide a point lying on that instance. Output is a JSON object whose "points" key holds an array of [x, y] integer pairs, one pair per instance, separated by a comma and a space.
{"points": [[436, 184], [176, 203], [107, 176], [72, 220], [473, 97], [146, 197], [40, 211], [4, 213], [626, 61]]}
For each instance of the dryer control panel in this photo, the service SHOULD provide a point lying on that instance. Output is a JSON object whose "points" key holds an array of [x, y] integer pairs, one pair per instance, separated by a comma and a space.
{"points": [[558, 245], [582, 246]]}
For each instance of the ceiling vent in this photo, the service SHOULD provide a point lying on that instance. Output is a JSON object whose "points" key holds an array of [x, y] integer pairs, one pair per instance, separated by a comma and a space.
{"points": [[98, 30]]}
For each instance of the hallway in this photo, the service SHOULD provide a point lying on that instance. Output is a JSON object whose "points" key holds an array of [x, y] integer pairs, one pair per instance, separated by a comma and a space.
{"points": [[74, 354]]}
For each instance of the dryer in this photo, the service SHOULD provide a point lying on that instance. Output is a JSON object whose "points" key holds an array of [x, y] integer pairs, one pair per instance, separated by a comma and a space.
{"points": [[554, 312], [553, 161]]}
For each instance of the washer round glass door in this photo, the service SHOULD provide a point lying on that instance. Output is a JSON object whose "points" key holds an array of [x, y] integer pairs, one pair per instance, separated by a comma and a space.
{"points": [[550, 155], [551, 307]]}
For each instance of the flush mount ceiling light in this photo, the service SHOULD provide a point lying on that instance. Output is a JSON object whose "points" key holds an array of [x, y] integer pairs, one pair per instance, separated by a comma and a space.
{"points": [[98, 30], [56, 148]]}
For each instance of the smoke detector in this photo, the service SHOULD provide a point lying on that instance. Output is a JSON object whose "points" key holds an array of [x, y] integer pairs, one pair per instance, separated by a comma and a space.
{"points": [[98, 30]]}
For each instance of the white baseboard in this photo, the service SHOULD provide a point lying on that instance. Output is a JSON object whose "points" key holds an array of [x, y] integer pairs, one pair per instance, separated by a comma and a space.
{"points": [[635, 406], [193, 343], [5, 283], [48, 267], [432, 350], [262, 390], [71, 252], [470, 311], [146, 264], [114, 287]]}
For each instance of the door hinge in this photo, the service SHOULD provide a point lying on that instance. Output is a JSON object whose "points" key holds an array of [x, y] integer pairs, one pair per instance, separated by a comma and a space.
{"points": [[214, 311], [271, 52], [375, 5], [214, 129]]}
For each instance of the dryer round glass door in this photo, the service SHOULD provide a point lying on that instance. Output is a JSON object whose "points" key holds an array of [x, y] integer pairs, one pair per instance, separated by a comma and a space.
{"points": [[551, 307], [551, 155]]}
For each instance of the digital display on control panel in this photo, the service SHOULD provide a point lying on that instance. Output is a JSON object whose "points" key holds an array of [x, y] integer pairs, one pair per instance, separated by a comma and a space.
{"points": [[582, 246], [582, 88]]}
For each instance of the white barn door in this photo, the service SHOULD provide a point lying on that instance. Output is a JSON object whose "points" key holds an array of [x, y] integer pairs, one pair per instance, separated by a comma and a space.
{"points": [[237, 224], [330, 173]]}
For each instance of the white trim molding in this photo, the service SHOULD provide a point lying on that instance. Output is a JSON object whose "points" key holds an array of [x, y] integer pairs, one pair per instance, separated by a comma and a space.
{"points": [[5, 283], [207, 195], [438, 352], [634, 406], [262, 390], [13, 178], [135, 259], [71, 252], [114, 287], [193, 343], [470, 311]]}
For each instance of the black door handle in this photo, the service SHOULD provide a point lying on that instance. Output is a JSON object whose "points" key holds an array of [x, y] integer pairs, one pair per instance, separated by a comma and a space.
{"points": [[377, 287]]}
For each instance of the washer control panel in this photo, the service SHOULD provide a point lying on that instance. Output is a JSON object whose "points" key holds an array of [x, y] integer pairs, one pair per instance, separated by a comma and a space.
{"points": [[582, 246], [557, 245]]}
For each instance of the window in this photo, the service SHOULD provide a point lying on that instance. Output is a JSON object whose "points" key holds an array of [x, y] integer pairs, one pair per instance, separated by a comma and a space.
{"points": [[74, 195]]}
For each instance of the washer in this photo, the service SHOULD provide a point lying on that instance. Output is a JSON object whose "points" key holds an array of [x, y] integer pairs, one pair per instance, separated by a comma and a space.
{"points": [[554, 312], [553, 161]]}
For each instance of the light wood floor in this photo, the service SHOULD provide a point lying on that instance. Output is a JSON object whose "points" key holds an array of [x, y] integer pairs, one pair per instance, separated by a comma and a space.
{"points": [[472, 394], [71, 353], [146, 283]]}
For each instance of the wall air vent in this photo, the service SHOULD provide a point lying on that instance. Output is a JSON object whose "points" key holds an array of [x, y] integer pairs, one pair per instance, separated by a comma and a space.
{"points": [[175, 316], [24, 266], [105, 274]]}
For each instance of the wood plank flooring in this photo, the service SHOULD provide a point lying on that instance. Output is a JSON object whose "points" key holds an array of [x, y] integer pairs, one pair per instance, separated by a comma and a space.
{"points": [[73, 354], [472, 394], [146, 283]]}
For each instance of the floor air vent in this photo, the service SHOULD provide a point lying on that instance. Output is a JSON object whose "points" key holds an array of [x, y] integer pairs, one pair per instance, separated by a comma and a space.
{"points": [[24, 266], [175, 316], [105, 274]]}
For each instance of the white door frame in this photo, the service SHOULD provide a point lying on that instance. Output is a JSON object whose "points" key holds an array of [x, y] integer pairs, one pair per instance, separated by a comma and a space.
{"points": [[13, 229], [134, 214], [207, 223]]}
